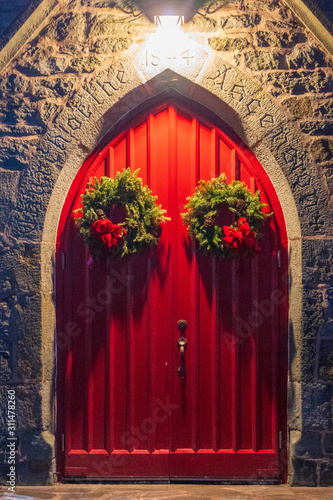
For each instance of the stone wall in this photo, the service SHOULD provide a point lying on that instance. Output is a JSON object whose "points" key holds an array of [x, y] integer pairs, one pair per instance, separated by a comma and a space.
{"points": [[252, 57]]}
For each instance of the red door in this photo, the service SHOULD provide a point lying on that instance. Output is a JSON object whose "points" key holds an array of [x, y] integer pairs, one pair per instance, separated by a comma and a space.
{"points": [[123, 410]]}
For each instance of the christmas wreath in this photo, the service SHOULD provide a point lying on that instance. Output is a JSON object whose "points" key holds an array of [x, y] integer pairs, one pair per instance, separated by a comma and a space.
{"points": [[136, 218], [224, 218]]}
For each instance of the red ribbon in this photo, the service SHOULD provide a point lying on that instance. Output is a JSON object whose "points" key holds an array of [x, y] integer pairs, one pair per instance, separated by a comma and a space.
{"points": [[110, 234], [236, 239], [248, 235]]}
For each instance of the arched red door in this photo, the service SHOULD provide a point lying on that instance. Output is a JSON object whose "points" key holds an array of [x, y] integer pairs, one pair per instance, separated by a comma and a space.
{"points": [[123, 410]]}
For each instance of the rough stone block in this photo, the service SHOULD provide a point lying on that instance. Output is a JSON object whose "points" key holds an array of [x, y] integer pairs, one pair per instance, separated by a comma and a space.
{"points": [[277, 39], [328, 443], [300, 82], [306, 57], [28, 225], [44, 66], [58, 87], [48, 111], [258, 5], [5, 312], [322, 150], [329, 179], [84, 64], [201, 24], [228, 44], [7, 281], [317, 407], [308, 446], [20, 326], [14, 83], [114, 26], [326, 329], [34, 472], [8, 186], [66, 26], [6, 343], [325, 364], [258, 60], [6, 371], [308, 357], [102, 4], [14, 155], [299, 107], [107, 45], [21, 130], [4, 217], [318, 261], [28, 400], [312, 311], [19, 270], [36, 51], [26, 327], [317, 128], [35, 189], [242, 21], [76, 48], [326, 474], [325, 108], [15, 109], [28, 409], [304, 472], [285, 24], [34, 447]]}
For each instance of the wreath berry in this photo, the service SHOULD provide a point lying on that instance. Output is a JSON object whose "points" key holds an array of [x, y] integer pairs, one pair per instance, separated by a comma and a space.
{"points": [[125, 198], [213, 205]]}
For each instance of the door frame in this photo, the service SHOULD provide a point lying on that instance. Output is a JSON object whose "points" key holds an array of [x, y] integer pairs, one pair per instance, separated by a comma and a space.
{"points": [[135, 116]]}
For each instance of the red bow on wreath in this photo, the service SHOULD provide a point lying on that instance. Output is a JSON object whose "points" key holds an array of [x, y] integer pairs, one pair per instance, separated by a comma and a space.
{"points": [[244, 236], [109, 233]]}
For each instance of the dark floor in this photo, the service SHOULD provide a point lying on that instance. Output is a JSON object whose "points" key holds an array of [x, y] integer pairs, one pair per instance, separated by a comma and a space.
{"points": [[164, 492]]}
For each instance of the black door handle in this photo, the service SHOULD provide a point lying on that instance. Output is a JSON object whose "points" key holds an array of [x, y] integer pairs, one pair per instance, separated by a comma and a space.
{"points": [[182, 344]]}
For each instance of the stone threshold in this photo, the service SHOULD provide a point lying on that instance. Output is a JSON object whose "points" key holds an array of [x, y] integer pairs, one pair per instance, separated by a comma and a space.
{"points": [[165, 492]]}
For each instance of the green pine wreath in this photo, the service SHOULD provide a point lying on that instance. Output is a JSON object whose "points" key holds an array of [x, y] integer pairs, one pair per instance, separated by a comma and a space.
{"points": [[143, 217], [214, 198]]}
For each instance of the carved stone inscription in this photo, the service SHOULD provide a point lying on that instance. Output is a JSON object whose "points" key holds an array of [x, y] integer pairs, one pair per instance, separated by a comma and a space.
{"points": [[69, 125], [63, 139], [267, 124], [223, 79], [307, 190]]}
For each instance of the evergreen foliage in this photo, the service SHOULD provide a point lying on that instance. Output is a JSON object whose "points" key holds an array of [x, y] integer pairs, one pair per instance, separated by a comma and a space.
{"points": [[204, 207], [143, 216]]}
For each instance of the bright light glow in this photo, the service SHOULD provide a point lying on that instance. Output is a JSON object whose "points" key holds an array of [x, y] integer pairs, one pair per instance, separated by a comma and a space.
{"points": [[169, 40], [169, 23]]}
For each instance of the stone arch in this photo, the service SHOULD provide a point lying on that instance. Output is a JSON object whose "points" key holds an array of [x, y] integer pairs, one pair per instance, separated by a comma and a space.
{"points": [[117, 94]]}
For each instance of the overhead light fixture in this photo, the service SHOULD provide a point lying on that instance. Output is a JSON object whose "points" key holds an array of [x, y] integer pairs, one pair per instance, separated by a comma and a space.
{"points": [[169, 40], [169, 23]]}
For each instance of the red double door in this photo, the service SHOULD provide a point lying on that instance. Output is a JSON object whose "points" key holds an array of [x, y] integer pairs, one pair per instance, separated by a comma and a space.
{"points": [[123, 409]]}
